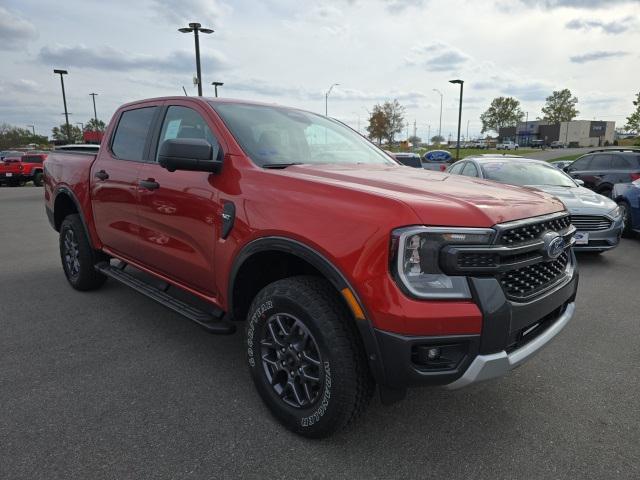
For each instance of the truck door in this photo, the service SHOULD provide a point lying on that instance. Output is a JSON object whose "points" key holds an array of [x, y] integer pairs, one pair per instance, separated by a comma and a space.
{"points": [[114, 180], [178, 210]]}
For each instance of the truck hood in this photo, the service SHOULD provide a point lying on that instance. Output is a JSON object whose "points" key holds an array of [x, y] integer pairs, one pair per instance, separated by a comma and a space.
{"points": [[580, 200], [439, 199]]}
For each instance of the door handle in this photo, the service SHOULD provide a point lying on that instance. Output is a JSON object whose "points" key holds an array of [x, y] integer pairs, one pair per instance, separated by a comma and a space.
{"points": [[102, 175], [149, 184]]}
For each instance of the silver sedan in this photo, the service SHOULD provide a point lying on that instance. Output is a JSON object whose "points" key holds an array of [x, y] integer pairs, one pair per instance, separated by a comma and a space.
{"points": [[598, 219]]}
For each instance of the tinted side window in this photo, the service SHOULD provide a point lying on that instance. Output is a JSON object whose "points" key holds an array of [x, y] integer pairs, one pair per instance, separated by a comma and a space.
{"points": [[32, 159], [620, 162], [632, 158], [131, 133], [470, 170], [457, 168], [184, 122], [600, 162], [581, 163]]}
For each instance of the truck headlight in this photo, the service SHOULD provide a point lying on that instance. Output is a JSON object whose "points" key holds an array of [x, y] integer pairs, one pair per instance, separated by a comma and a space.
{"points": [[415, 258]]}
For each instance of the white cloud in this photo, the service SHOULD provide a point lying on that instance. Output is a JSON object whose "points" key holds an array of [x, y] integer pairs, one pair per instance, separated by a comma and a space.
{"points": [[15, 31]]}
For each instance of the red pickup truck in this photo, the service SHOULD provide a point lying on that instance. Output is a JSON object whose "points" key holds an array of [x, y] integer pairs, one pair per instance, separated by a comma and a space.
{"points": [[17, 170], [348, 269]]}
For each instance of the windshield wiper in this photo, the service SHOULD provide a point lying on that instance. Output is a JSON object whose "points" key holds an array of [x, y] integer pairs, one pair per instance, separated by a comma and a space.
{"points": [[280, 165]]}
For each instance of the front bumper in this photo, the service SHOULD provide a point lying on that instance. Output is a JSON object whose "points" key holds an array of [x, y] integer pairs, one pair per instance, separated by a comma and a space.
{"points": [[602, 240], [511, 334]]}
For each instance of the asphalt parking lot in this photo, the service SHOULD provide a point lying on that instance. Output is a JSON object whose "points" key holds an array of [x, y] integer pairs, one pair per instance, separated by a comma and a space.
{"points": [[108, 384]]}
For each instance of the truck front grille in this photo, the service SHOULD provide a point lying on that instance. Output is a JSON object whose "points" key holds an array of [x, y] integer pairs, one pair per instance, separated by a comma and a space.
{"points": [[533, 230], [590, 223], [524, 283]]}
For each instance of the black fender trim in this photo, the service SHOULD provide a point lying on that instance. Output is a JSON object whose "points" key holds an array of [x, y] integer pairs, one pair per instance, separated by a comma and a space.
{"points": [[74, 199], [331, 272]]}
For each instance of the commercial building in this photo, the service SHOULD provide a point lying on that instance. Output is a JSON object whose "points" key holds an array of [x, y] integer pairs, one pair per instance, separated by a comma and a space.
{"points": [[579, 133]]}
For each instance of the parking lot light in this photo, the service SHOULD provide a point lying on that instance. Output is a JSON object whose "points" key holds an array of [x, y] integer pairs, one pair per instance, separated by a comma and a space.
{"points": [[461, 83], [64, 100], [216, 85], [196, 28]]}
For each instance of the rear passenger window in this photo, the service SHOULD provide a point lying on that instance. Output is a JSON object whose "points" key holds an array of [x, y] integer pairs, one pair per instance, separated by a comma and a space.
{"points": [[131, 134], [620, 162], [600, 162], [581, 164], [32, 159]]}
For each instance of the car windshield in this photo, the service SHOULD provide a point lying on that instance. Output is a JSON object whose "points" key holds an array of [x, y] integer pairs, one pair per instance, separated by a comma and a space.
{"points": [[272, 135], [525, 173]]}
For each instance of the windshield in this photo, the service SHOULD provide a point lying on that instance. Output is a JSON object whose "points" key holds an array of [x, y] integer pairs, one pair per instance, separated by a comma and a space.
{"points": [[280, 136], [523, 173]]}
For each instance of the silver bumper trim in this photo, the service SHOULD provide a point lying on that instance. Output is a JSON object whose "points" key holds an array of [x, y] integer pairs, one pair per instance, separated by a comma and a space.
{"points": [[485, 367]]}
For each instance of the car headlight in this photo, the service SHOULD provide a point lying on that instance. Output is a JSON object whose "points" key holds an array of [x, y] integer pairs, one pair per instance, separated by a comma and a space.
{"points": [[615, 213], [415, 258]]}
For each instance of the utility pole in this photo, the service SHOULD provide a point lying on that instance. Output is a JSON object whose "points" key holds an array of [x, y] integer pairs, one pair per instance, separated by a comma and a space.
{"points": [[414, 129], [196, 28], [64, 100], [429, 134], [33, 129], [95, 115], [467, 130]]}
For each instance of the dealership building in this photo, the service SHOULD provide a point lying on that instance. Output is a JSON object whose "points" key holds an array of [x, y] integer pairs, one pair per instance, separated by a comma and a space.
{"points": [[578, 133]]}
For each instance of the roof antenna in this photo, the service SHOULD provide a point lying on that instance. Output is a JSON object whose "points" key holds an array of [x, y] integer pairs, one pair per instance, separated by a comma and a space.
{"points": [[185, 91]]}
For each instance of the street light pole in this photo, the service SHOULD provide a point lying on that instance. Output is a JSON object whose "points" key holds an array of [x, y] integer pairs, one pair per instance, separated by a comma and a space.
{"points": [[216, 85], [429, 135], [440, 126], [326, 99], [461, 83], [95, 115], [64, 100], [33, 129], [196, 28]]}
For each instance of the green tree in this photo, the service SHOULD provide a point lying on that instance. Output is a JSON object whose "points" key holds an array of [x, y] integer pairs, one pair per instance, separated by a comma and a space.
{"points": [[61, 134], [94, 125], [385, 121], [560, 107], [503, 112], [633, 120], [15, 137], [415, 140], [437, 139]]}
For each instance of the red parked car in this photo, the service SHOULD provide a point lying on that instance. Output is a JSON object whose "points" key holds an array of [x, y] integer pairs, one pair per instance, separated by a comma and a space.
{"points": [[347, 269], [18, 170]]}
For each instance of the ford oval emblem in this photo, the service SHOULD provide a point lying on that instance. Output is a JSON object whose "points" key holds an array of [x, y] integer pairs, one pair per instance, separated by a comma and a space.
{"points": [[553, 245]]}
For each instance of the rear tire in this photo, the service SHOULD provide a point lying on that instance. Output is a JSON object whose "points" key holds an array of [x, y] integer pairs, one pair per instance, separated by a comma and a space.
{"points": [[306, 358], [78, 258], [37, 179]]}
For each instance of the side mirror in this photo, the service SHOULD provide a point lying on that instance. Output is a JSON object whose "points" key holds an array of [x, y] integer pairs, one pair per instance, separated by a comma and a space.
{"points": [[579, 182], [191, 154]]}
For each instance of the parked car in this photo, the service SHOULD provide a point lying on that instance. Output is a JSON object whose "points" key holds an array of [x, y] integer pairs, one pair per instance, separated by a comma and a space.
{"points": [[561, 164], [601, 169], [627, 196], [408, 159], [481, 144], [509, 145], [598, 219], [25, 168], [537, 144], [437, 160], [330, 257], [557, 144]]}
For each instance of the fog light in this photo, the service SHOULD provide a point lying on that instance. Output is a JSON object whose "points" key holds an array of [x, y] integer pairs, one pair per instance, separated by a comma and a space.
{"points": [[433, 353]]}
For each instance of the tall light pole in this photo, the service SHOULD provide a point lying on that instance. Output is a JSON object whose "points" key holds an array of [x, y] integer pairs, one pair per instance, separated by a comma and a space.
{"points": [[326, 99], [440, 126], [196, 28], [216, 85], [429, 134], [64, 100], [33, 129], [95, 115], [461, 83]]}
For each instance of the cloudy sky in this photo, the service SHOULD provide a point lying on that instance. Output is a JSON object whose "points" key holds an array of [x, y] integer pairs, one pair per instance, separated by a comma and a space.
{"points": [[290, 51]]}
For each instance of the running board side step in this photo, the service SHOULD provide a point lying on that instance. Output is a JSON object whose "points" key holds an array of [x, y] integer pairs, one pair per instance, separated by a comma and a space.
{"points": [[210, 322]]}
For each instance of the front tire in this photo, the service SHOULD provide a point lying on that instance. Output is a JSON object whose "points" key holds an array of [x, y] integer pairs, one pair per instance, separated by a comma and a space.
{"points": [[78, 258], [37, 179], [626, 218], [305, 356]]}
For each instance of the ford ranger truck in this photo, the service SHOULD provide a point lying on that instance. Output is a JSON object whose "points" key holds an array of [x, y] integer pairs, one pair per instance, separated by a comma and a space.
{"points": [[348, 270]]}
